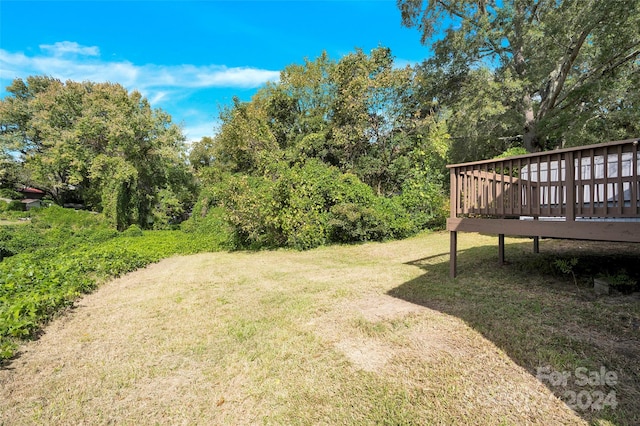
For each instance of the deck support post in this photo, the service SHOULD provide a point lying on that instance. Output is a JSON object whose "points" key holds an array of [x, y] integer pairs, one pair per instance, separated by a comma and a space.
{"points": [[536, 241], [501, 249], [453, 253]]}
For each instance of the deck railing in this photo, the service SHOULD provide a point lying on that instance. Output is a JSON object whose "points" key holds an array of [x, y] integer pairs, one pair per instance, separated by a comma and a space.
{"points": [[603, 183]]}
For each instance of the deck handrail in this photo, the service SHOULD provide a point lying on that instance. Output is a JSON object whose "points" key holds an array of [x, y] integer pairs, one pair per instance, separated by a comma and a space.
{"points": [[555, 151], [603, 182]]}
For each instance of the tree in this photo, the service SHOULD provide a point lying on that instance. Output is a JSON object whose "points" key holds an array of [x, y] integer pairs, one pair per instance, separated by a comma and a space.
{"points": [[360, 114], [369, 111], [98, 144], [245, 137], [299, 109], [201, 153], [335, 151], [562, 57]]}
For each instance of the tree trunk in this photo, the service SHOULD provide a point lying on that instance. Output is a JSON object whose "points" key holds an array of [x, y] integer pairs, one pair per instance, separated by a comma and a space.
{"points": [[530, 139], [530, 135]]}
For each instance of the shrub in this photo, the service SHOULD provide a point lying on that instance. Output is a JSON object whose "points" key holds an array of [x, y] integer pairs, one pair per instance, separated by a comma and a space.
{"points": [[6, 249], [351, 222], [426, 202], [16, 206], [383, 219], [132, 231], [301, 206], [10, 194]]}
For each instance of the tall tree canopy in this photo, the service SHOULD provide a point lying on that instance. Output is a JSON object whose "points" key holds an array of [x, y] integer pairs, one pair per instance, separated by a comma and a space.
{"points": [[359, 114], [335, 151], [98, 144], [567, 68]]}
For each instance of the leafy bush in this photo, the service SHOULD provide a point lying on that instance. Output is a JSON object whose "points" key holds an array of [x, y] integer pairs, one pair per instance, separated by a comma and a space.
{"points": [[10, 194], [6, 235], [426, 202], [133, 231], [352, 222], [301, 206], [16, 206], [63, 253]]}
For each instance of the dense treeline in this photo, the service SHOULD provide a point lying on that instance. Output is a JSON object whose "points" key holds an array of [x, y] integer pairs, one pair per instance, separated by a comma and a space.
{"points": [[337, 151], [342, 150]]}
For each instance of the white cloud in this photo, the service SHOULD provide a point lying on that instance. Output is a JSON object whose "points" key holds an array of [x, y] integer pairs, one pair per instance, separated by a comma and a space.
{"points": [[170, 85], [146, 78], [70, 47], [231, 77]]}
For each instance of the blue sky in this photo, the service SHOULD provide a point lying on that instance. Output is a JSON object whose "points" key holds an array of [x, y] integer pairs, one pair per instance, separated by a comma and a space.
{"points": [[191, 57]]}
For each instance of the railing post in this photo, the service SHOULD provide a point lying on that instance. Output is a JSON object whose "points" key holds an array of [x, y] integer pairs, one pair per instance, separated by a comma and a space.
{"points": [[570, 182], [635, 163], [454, 197]]}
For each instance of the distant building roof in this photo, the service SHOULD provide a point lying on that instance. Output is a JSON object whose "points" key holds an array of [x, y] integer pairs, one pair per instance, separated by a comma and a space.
{"points": [[30, 190]]}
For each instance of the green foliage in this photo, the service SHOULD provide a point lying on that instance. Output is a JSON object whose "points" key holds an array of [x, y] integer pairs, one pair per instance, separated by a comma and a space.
{"points": [[305, 162], [133, 231], [252, 212], [10, 194], [384, 219], [300, 206], [99, 145], [53, 229], [557, 75], [117, 180], [46, 264], [512, 152], [201, 153], [244, 136], [567, 266], [16, 206]]}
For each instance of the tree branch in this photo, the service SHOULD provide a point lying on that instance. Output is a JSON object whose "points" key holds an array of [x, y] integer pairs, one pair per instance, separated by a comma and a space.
{"points": [[602, 69], [558, 76]]}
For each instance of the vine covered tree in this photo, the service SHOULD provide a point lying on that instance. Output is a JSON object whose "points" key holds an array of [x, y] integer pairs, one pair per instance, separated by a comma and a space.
{"points": [[97, 144]]}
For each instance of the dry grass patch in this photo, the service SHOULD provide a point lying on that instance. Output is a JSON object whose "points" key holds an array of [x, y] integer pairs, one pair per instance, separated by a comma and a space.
{"points": [[337, 335]]}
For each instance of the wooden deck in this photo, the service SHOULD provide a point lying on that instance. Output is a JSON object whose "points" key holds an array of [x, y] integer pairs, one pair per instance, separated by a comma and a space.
{"points": [[537, 195]]}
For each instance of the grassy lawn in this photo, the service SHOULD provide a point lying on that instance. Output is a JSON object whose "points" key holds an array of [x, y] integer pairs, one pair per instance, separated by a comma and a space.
{"points": [[373, 333]]}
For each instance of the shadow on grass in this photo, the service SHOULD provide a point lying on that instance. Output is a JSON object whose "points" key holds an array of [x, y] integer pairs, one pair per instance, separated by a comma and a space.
{"points": [[545, 322]]}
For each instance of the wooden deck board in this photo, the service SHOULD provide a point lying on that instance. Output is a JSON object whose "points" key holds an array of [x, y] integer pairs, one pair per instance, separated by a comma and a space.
{"points": [[586, 230]]}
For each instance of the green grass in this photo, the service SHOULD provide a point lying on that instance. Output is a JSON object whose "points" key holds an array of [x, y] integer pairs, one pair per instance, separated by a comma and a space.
{"points": [[536, 314], [363, 334]]}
